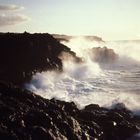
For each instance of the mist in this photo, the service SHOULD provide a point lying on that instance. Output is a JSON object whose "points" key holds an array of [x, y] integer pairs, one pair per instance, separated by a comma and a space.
{"points": [[109, 74]]}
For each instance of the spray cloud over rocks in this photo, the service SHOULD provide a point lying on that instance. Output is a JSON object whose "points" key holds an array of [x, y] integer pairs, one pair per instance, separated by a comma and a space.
{"points": [[106, 75]]}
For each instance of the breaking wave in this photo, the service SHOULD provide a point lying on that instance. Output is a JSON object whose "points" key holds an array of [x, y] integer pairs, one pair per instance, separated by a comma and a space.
{"points": [[107, 76]]}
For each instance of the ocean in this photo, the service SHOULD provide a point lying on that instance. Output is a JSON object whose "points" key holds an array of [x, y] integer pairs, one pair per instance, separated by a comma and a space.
{"points": [[109, 75]]}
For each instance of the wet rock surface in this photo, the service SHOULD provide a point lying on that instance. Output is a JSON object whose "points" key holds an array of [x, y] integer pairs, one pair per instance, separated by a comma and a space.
{"points": [[26, 116]]}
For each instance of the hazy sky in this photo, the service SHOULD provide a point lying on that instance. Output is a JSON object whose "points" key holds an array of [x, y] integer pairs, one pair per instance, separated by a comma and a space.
{"points": [[109, 19]]}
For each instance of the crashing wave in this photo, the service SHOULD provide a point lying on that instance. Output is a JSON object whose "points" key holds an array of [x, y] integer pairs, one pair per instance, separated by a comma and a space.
{"points": [[103, 55]]}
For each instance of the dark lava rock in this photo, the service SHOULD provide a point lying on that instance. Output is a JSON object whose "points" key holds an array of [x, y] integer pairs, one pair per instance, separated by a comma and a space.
{"points": [[22, 55], [26, 116]]}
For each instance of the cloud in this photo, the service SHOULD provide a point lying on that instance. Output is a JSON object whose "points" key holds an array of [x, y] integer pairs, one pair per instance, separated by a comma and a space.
{"points": [[10, 15], [10, 7], [6, 20]]}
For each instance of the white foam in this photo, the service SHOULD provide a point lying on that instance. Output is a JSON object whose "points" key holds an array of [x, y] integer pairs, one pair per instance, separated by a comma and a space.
{"points": [[88, 83]]}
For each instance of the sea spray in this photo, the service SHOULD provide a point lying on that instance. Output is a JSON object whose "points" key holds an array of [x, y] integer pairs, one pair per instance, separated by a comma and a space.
{"points": [[89, 82], [129, 49]]}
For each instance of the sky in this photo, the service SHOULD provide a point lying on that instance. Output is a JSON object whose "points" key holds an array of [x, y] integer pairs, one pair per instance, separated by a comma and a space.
{"points": [[109, 19]]}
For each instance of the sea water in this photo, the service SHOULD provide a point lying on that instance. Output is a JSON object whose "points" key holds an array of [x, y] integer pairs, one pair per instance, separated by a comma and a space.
{"points": [[95, 82]]}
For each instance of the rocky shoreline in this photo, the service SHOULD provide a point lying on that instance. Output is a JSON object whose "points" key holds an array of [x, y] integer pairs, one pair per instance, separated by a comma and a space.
{"points": [[24, 54], [27, 116]]}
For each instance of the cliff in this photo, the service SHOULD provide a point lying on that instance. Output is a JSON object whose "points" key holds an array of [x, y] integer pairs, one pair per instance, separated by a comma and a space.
{"points": [[67, 38], [22, 55], [26, 116]]}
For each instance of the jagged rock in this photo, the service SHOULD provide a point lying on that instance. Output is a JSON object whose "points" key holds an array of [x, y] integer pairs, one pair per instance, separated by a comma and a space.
{"points": [[26, 116], [22, 55], [41, 133]]}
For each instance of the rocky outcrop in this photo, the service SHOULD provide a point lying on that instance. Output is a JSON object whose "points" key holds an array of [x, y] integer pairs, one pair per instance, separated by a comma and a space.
{"points": [[26, 116], [94, 38], [103, 55], [67, 38], [22, 55]]}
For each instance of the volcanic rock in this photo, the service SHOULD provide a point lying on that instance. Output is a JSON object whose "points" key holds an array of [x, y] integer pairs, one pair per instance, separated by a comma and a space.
{"points": [[26, 116], [22, 55]]}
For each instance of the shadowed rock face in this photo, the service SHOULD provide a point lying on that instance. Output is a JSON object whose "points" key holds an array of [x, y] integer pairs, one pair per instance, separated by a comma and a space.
{"points": [[26, 116], [103, 55], [22, 55]]}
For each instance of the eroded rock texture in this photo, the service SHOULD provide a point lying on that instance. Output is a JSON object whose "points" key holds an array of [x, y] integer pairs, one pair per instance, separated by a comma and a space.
{"points": [[26, 116]]}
